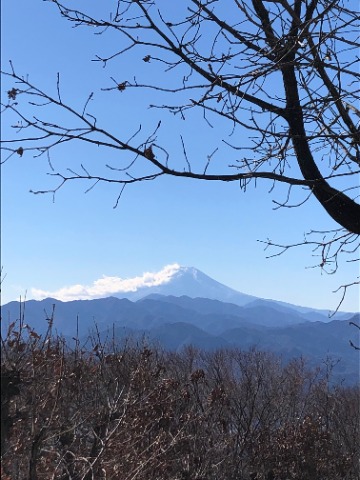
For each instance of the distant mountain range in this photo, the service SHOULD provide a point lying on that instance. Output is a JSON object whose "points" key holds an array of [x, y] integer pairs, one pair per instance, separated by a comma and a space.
{"points": [[193, 309], [191, 282]]}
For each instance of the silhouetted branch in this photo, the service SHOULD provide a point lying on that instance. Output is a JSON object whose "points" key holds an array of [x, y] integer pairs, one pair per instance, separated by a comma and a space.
{"points": [[283, 75]]}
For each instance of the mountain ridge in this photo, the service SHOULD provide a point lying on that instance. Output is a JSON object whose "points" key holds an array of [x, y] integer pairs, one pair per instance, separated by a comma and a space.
{"points": [[191, 282], [172, 280], [175, 322]]}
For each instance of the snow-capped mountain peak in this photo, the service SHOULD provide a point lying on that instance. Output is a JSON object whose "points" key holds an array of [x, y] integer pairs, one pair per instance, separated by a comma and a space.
{"points": [[191, 282]]}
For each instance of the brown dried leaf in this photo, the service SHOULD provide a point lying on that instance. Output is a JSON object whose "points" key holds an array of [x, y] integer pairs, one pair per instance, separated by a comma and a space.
{"points": [[121, 86], [20, 151], [149, 153], [12, 93]]}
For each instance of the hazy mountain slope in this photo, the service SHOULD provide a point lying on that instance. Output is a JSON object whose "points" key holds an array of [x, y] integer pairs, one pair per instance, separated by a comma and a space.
{"points": [[147, 313], [261, 312], [209, 324], [178, 335]]}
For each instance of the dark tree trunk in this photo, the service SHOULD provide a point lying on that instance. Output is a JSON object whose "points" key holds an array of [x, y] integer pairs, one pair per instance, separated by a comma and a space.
{"points": [[344, 210]]}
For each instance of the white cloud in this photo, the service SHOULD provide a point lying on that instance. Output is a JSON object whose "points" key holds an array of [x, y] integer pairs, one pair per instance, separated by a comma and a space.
{"points": [[107, 286]]}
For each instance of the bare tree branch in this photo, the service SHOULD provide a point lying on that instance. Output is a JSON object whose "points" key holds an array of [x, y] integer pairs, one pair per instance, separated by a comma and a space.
{"points": [[283, 75]]}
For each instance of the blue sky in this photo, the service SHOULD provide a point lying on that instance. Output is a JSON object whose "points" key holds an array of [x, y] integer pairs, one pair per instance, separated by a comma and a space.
{"points": [[80, 237]]}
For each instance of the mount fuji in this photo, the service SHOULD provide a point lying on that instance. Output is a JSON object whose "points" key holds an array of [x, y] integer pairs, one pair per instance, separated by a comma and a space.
{"points": [[181, 281], [190, 282]]}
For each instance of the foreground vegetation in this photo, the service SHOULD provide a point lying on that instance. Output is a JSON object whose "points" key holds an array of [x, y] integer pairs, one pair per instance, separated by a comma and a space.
{"points": [[138, 412]]}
